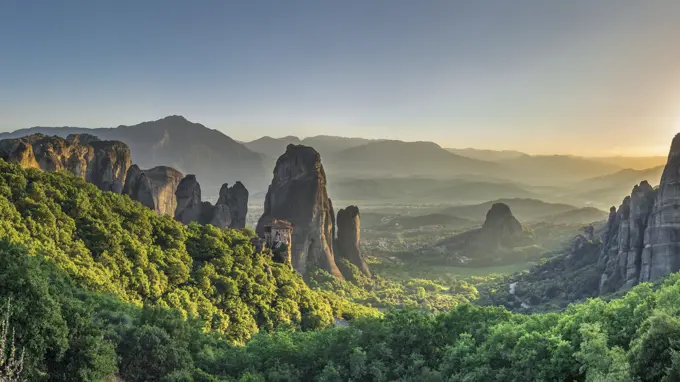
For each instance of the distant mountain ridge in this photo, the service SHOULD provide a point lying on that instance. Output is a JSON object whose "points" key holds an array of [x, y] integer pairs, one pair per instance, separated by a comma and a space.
{"points": [[323, 144], [489, 155], [173, 141], [405, 158], [216, 158], [426, 190]]}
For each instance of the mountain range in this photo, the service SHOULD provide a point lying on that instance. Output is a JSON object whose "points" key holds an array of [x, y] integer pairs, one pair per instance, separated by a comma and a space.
{"points": [[215, 158], [173, 141]]}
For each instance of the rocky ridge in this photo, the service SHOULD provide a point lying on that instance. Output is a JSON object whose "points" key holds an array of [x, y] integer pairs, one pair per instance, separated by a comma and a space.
{"points": [[103, 163], [154, 188], [642, 242], [107, 165]]}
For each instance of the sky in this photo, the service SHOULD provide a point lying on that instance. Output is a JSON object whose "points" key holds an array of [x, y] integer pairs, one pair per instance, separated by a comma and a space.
{"points": [[583, 77]]}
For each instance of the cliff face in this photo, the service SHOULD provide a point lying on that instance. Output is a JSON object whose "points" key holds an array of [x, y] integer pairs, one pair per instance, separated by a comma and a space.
{"points": [[103, 163], [298, 195], [138, 187], [661, 254], [642, 242], [189, 204], [624, 241], [348, 242], [231, 207], [154, 188], [229, 211]]}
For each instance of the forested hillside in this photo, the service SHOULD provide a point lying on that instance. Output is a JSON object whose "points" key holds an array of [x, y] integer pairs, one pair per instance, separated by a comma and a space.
{"points": [[107, 244], [95, 286]]}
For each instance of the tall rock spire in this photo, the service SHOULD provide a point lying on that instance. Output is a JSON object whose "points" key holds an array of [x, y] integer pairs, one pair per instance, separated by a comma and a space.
{"points": [[661, 255], [298, 195], [348, 243]]}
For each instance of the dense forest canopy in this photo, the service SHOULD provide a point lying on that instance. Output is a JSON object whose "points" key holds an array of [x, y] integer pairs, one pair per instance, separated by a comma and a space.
{"points": [[96, 286], [112, 245]]}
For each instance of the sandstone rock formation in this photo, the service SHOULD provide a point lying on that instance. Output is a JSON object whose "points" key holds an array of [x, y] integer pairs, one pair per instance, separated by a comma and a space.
{"points": [[103, 163], [138, 187], [231, 207], [347, 244], [298, 195], [661, 254], [189, 206], [229, 211], [154, 188], [643, 239]]}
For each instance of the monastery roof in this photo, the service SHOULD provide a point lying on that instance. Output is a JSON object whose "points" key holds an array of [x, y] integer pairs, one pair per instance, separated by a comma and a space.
{"points": [[279, 224]]}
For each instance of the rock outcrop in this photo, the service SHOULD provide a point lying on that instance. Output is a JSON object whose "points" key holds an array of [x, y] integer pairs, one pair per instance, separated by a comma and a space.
{"points": [[231, 207], [138, 187], [154, 188], [348, 242], [643, 238], [624, 240], [492, 243], [298, 195], [229, 211], [103, 163], [661, 254], [500, 226], [189, 205]]}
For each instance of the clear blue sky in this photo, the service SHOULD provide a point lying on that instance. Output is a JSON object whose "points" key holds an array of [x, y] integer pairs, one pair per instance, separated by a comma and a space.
{"points": [[578, 76]]}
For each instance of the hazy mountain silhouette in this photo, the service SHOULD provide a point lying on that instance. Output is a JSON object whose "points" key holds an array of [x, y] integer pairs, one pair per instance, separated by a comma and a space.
{"points": [[404, 159], [624, 178], [411, 222], [636, 163], [522, 209], [423, 190], [580, 215], [324, 144], [271, 147], [188, 147], [608, 190], [488, 155], [551, 168]]}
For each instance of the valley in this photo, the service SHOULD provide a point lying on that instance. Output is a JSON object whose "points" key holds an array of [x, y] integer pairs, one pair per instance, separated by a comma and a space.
{"points": [[364, 243], [340, 191]]}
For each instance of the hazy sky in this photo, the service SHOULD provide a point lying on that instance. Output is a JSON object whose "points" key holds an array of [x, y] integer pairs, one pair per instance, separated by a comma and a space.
{"points": [[591, 77]]}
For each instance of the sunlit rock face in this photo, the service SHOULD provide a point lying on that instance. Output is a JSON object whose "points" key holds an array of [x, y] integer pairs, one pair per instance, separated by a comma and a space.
{"points": [[298, 195], [348, 242], [154, 188], [103, 163]]}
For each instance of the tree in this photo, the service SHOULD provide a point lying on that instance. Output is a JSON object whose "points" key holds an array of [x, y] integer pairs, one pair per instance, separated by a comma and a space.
{"points": [[11, 361]]}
